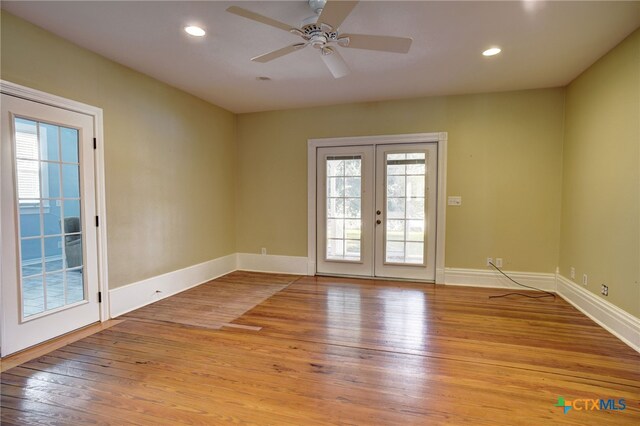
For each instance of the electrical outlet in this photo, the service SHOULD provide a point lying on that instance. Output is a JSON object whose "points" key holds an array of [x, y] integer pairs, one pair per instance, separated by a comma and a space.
{"points": [[454, 200], [573, 273], [499, 262], [585, 280], [489, 261], [605, 290], [263, 251]]}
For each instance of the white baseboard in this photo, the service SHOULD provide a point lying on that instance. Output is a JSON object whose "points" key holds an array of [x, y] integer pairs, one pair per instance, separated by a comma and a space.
{"points": [[493, 278], [136, 295], [616, 321], [273, 263]]}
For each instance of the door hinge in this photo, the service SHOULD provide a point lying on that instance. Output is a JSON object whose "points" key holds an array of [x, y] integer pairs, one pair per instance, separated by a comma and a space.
{"points": [[95, 143], [99, 297], [97, 221]]}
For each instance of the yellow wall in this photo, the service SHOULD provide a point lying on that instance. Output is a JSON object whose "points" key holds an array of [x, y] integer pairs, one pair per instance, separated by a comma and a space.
{"points": [[169, 156], [601, 176], [505, 154], [188, 181]]}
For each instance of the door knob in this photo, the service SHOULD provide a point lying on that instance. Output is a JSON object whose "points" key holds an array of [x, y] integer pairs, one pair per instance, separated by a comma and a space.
{"points": [[378, 221], [378, 212]]}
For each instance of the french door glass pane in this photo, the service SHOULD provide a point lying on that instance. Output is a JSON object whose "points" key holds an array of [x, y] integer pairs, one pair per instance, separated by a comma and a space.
{"points": [[75, 286], [49, 148], [55, 290], [32, 295], [405, 193], [48, 188], [50, 179], [31, 249], [344, 208]]}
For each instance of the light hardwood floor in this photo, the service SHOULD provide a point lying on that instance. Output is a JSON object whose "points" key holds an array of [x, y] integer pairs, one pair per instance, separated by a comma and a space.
{"points": [[217, 303], [335, 351]]}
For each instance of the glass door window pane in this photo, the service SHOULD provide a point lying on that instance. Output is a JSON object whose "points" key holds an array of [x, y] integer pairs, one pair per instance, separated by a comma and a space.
{"points": [[405, 194], [344, 208], [32, 295], [74, 285], [48, 188]]}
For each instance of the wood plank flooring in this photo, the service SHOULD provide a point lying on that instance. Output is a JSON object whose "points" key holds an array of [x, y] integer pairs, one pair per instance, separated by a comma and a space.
{"points": [[335, 351], [216, 303], [27, 355]]}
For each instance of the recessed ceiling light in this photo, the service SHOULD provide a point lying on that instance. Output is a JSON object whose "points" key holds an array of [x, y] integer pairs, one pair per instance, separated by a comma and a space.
{"points": [[491, 52], [195, 31]]}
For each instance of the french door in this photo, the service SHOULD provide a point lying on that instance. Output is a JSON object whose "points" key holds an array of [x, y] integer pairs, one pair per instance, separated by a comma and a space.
{"points": [[377, 211], [49, 241]]}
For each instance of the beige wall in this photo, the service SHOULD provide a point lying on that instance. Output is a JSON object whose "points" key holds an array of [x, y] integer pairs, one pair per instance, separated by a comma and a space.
{"points": [[505, 154], [188, 181], [169, 156], [601, 176]]}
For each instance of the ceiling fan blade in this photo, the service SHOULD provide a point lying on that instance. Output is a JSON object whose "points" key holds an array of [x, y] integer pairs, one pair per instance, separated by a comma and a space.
{"points": [[335, 63], [278, 53], [258, 18], [375, 42], [335, 12]]}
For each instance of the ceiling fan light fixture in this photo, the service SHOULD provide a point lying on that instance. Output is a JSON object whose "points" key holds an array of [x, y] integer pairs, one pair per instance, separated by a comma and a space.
{"points": [[318, 41], [492, 51], [195, 31]]}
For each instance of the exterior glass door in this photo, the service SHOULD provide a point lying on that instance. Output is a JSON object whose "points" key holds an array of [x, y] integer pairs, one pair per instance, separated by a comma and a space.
{"points": [[49, 252], [405, 208], [345, 195], [377, 211]]}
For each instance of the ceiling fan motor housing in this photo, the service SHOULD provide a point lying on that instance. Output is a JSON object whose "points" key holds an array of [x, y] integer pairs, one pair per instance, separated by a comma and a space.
{"points": [[317, 36]]}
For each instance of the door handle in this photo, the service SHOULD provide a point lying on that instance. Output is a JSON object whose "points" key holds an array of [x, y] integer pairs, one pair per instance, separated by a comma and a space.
{"points": [[378, 221], [378, 212]]}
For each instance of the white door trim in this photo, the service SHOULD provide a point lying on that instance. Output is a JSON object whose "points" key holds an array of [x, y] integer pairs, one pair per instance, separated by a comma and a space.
{"points": [[9, 88], [312, 146]]}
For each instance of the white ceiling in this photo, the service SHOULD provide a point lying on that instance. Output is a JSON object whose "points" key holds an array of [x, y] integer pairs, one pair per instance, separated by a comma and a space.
{"points": [[545, 44]]}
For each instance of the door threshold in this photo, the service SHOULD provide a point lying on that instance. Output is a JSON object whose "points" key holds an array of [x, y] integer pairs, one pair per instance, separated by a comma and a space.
{"points": [[366, 277], [51, 345]]}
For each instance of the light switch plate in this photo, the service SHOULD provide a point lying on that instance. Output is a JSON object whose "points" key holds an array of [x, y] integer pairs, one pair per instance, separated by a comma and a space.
{"points": [[454, 200]]}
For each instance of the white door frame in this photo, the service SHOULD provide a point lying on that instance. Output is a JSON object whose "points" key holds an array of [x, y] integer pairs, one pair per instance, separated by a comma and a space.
{"points": [[312, 147], [34, 95]]}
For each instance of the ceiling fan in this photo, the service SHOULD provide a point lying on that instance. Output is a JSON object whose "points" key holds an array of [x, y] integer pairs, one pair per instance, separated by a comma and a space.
{"points": [[321, 31]]}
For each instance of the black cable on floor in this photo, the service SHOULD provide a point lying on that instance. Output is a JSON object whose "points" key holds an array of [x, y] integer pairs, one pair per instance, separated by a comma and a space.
{"points": [[546, 293]]}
